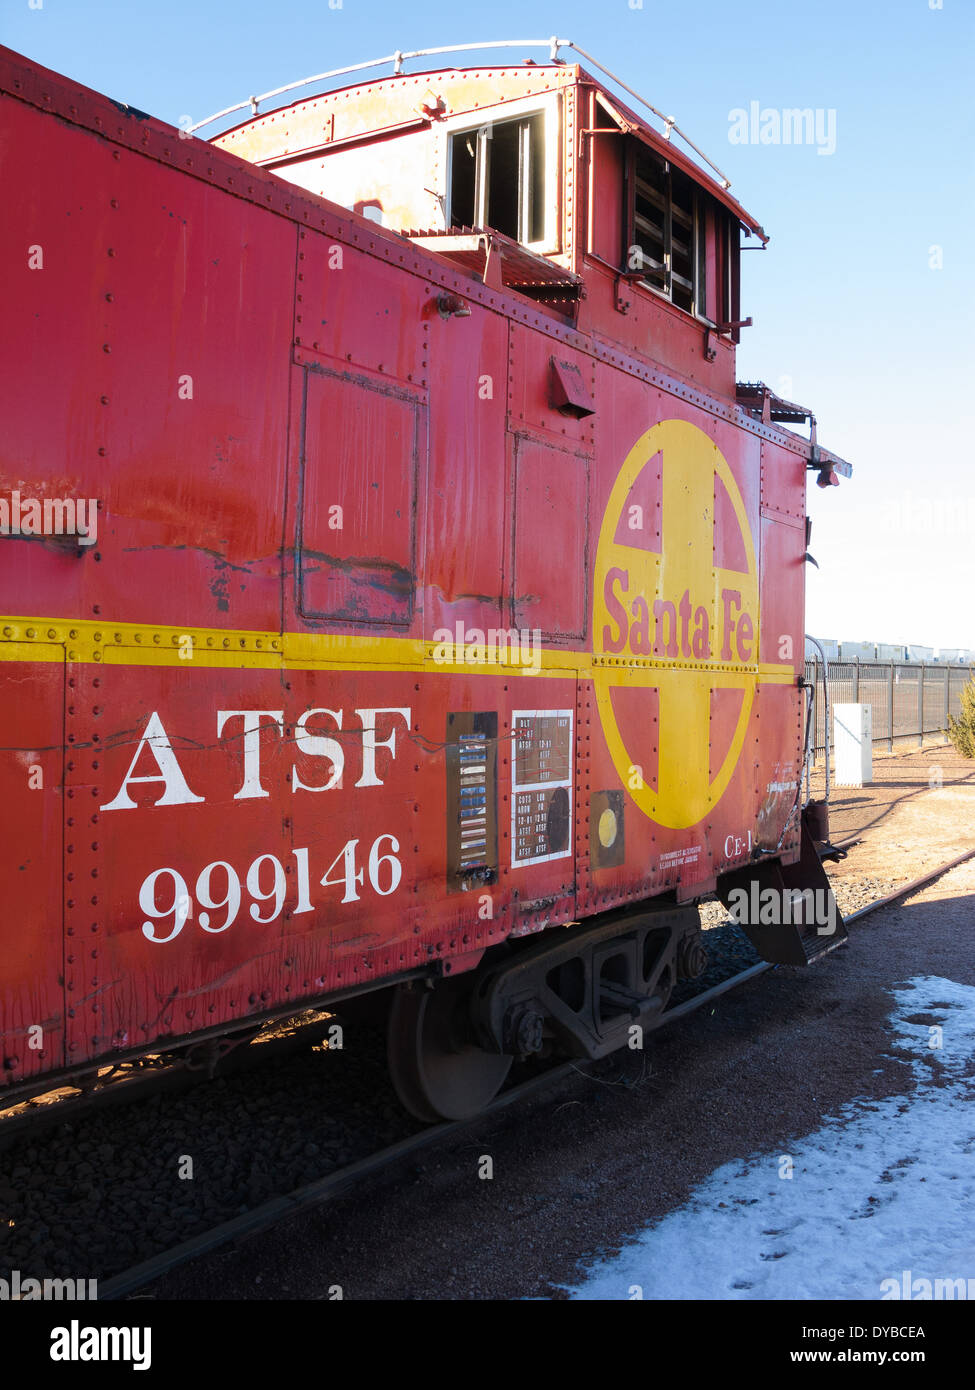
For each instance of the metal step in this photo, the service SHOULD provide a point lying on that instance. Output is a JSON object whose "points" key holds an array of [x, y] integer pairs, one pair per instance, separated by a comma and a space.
{"points": [[788, 912]]}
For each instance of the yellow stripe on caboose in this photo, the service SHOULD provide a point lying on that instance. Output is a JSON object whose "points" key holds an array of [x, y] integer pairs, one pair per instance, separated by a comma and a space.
{"points": [[86, 641]]}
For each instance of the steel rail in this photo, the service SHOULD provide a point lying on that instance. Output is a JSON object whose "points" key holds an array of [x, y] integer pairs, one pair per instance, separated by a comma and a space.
{"points": [[670, 123], [908, 888], [397, 58]]}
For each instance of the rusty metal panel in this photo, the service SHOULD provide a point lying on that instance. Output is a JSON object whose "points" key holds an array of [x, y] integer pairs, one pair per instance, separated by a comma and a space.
{"points": [[32, 945], [135, 341], [360, 455], [467, 478], [353, 311], [531, 401], [783, 591], [783, 484], [551, 547], [778, 766]]}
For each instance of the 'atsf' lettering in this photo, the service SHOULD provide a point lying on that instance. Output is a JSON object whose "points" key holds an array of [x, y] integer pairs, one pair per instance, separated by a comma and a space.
{"points": [[244, 728]]}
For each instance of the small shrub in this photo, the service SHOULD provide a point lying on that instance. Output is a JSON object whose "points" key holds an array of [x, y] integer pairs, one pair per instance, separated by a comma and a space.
{"points": [[961, 731]]}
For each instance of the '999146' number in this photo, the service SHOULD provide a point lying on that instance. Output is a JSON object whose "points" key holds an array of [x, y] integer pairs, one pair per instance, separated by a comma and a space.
{"points": [[218, 889]]}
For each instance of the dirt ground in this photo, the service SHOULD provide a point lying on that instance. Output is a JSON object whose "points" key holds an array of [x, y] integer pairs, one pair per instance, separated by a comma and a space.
{"points": [[578, 1170], [918, 812]]}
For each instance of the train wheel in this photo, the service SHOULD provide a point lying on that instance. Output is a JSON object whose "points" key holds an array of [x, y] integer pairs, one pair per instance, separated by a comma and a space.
{"points": [[438, 1072]]}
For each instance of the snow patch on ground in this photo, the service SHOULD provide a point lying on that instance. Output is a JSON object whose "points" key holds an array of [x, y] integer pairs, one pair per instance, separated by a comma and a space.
{"points": [[883, 1187]]}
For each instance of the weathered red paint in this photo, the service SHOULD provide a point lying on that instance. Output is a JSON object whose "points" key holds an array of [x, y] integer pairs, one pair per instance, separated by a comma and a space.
{"points": [[190, 355]]}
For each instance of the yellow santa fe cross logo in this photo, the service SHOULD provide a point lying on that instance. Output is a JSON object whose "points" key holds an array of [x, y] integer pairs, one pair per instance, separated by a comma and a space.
{"points": [[676, 623]]}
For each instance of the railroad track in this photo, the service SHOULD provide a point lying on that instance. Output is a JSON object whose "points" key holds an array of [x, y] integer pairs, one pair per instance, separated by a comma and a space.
{"points": [[335, 1184], [360, 1155]]}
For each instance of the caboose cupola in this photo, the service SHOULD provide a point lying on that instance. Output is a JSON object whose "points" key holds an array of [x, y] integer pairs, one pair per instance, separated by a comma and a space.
{"points": [[534, 178]]}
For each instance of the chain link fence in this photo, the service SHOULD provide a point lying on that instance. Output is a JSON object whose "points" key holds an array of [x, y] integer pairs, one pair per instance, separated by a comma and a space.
{"points": [[910, 701]]}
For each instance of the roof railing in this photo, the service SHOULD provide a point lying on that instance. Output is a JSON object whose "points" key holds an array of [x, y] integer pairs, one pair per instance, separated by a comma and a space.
{"points": [[400, 56]]}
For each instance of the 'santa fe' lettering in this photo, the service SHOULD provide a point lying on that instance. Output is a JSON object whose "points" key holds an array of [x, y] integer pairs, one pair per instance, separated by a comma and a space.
{"points": [[672, 629]]}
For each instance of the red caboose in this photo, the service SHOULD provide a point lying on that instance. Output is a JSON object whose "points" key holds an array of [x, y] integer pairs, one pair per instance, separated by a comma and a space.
{"points": [[394, 572]]}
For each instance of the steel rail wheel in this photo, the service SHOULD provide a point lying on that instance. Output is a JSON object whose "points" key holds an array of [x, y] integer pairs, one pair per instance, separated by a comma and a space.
{"points": [[438, 1072]]}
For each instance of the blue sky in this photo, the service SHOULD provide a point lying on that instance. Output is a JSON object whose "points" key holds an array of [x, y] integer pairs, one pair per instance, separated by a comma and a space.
{"points": [[855, 314]]}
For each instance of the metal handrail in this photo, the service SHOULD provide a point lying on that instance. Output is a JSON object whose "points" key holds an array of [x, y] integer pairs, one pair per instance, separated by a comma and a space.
{"points": [[400, 56], [822, 655]]}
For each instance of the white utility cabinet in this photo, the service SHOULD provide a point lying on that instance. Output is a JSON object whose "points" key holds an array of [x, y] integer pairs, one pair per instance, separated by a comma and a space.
{"points": [[852, 745]]}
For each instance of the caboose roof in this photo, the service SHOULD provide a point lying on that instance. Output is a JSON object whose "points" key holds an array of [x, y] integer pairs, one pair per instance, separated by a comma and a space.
{"points": [[394, 104]]}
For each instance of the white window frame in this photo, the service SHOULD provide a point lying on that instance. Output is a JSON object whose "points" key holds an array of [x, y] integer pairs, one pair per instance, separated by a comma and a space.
{"points": [[547, 106]]}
